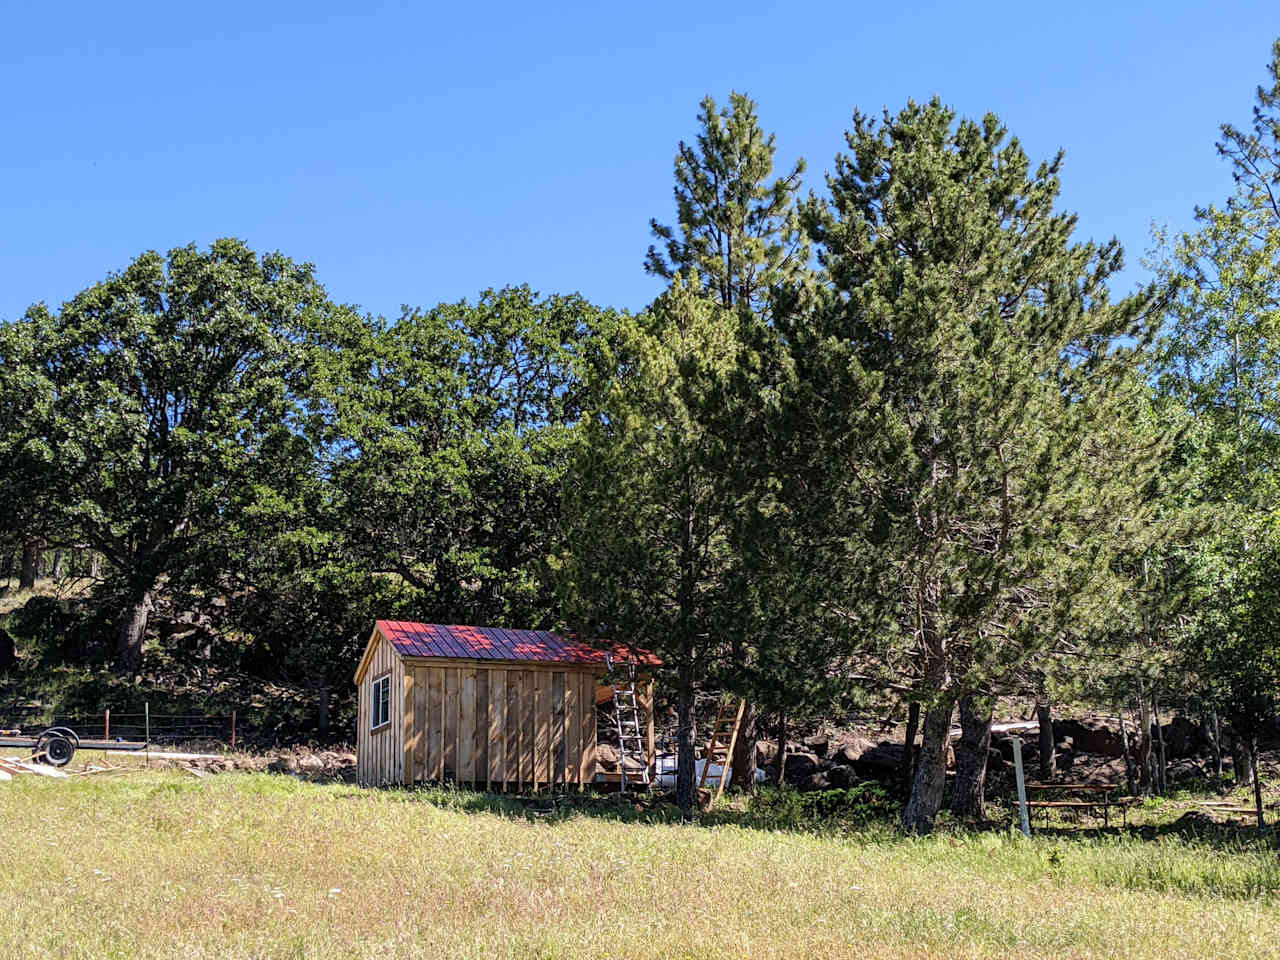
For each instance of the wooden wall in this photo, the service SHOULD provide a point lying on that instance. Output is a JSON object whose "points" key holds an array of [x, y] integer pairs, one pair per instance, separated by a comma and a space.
{"points": [[380, 753], [501, 726]]}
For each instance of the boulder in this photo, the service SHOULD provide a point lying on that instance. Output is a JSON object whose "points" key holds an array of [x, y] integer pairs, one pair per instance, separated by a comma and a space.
{"points": [[841, 777], [766, 752], [1030, 754], [800, 767], [1091, 735], [817, 744], [1183, 737], [1184, 769], [849, 751], [881, 762], [816, 781]]}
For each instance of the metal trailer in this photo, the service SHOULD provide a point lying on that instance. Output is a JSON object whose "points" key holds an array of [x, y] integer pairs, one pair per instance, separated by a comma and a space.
{"points": [[57, 745]]}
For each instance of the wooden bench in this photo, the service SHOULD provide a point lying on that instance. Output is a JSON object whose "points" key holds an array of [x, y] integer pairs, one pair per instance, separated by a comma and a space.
{"points": [[1103, 799]]}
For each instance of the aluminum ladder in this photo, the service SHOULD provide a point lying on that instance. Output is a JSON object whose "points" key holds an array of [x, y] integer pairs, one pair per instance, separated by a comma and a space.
{"points": [[632, 741]]}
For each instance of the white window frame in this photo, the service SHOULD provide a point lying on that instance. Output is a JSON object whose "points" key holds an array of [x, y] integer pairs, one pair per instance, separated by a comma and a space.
{"points": [[375, 703]]}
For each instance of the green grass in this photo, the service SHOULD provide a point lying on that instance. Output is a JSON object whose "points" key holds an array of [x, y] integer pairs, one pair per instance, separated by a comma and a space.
{"points": [[159, 864]]}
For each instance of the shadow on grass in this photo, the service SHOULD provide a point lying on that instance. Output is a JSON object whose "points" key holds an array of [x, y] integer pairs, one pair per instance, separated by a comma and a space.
{"points": [[866, 814]]}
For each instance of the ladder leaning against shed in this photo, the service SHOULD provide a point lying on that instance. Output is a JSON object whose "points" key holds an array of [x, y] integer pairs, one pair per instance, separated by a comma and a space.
{"points": [[724, 724], [631, 742]]}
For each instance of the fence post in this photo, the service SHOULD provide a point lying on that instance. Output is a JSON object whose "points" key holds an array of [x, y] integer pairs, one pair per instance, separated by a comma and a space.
{"points": [[106, 725], [233, 729], [146, 712]]}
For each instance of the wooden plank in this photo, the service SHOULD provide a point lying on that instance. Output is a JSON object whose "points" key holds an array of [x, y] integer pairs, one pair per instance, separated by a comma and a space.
{"points": [[435, 730], [511, 735], [497, 728], [652, 752], [467, 725], [588, 773], [542, 728], [572, 730], [362, 732], [480, 732], [557, 776], [527, 729], [408, 743], [450, 725], [420, 723], [728, 755]]}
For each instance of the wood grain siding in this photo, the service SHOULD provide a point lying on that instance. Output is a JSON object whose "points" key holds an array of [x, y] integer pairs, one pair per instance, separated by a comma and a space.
{"points": [[508, 725], [379, 753]]}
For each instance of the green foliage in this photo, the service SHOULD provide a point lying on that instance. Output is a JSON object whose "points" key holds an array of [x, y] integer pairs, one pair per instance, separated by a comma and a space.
{"points": [[736, 230], [168, 404], [971, 389], [853, 808], [451, 444]]}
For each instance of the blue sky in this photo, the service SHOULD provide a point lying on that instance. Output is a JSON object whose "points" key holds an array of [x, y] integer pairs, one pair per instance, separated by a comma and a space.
{"points": [[419, 153]]}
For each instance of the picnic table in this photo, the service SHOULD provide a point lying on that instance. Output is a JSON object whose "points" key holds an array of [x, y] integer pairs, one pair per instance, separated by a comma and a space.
{"points": [[1084, 797]]}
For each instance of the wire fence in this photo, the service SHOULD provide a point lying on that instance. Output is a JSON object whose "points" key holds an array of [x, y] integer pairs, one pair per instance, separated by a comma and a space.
{"points": [[145, 727]]}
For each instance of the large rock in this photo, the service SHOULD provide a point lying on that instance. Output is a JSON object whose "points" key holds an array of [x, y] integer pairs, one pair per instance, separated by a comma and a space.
{"points": [[841, 777], [1184, 769], [817, 744], [815, 781], [1183, 737], [1091, 735], [849, 751], [800, 767], [881, 762], [766, 752], [1030, 755]]}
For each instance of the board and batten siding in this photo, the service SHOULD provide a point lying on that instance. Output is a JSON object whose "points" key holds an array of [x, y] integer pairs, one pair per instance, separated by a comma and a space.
{"points": [[378, 752], [495, 724], [512, 725]]}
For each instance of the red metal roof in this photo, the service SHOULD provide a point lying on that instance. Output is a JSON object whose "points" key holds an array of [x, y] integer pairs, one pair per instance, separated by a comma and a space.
{"points": [[495, 643]]}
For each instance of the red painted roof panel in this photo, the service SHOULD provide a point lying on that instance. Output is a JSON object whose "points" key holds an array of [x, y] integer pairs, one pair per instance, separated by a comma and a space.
{"points": [[495, 643]]}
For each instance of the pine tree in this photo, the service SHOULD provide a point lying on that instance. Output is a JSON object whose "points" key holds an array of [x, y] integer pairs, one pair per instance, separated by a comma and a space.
{"points": [[969, 383], [735, 229], [648, 504]]}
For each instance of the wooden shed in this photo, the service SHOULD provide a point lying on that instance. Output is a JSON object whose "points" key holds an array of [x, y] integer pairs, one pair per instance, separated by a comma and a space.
{"points": [[499, 708]]}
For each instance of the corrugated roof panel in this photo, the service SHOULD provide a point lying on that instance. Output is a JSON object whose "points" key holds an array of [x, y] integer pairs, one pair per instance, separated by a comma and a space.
{"points": [[463, 642]]}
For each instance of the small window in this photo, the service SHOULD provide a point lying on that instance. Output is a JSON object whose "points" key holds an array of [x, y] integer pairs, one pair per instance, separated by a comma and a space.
{"points": [[380, 711]]}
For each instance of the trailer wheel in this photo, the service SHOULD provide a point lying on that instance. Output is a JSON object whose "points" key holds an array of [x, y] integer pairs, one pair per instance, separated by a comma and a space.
{"points": [[56, 749], [68, 733]]}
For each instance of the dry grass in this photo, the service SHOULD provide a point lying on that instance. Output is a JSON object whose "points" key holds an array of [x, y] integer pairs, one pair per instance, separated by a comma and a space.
{"points": [[11, 597], [158, 864]]}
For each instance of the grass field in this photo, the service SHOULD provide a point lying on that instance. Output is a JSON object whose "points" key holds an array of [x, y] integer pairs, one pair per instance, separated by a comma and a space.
{"points": [[159, 864]]}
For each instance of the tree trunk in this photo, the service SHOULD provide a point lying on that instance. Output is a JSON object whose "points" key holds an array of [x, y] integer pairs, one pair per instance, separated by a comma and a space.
{"points": [[908, 769], [782, 749], [30, 565], [968, 793], [1257, 780], [686, 778], [931, 775], [133, 631], [1215, 732], [1130, 779], [1048, 754], [95, 565], [1145, 762], [56, 570], [744, 751], [1241, 759], [1162, 761]]}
